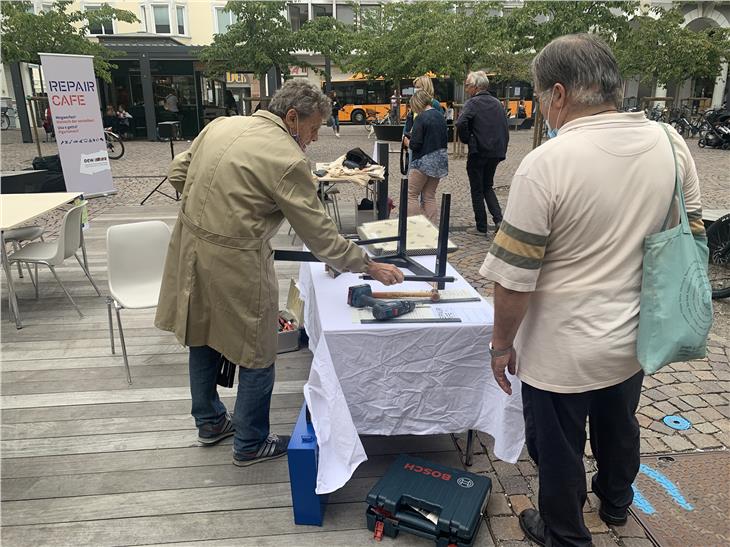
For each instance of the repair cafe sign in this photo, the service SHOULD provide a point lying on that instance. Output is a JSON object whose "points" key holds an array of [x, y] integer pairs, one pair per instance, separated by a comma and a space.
{"points": [[76, 114]]}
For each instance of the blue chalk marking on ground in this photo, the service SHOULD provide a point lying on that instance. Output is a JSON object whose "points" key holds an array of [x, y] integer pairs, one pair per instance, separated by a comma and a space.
{"points": [[677, 422], [641, 502], [668, 485]]}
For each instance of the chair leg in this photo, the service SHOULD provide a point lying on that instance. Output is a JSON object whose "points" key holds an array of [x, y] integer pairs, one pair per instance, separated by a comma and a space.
{"points": [[87, 274], [111, 325], [124, 346], [53, 271], [37, 280], [16, 248], [336, 207]]}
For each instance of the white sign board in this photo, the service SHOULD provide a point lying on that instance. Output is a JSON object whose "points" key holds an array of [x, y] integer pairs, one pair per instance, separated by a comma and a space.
{"points": [[76, 114]]}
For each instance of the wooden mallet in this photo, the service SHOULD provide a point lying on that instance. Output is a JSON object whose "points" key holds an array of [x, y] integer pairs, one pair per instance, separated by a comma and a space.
{"points": [[433, 295]]}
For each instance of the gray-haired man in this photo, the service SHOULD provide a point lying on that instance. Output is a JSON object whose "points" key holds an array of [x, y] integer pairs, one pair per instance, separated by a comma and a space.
{"points": [[483, 126]]}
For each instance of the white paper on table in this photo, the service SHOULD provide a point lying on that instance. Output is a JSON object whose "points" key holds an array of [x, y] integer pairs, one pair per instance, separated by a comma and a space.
{"points": [[473, 315]]}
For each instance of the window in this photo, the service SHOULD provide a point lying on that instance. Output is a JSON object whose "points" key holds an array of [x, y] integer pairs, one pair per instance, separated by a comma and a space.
{"points": [[223, 20], [298, 16], [161, 15], [321, 10], [47, 6], [143, 18], [98, 27], [345, 14], [180, 13]]}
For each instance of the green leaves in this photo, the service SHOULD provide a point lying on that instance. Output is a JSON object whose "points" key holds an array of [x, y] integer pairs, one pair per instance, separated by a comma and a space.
{"points": [[25, 34]]}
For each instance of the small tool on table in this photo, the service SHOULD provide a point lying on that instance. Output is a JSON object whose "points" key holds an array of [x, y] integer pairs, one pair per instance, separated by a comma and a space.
{"points": [[361, 296]]}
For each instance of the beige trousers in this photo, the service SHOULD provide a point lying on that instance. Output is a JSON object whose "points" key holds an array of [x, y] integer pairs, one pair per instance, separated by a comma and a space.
{"points": [[422, 195]]}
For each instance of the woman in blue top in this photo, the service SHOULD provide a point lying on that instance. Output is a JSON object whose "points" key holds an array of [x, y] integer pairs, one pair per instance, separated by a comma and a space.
{"points": [[430, 159]]}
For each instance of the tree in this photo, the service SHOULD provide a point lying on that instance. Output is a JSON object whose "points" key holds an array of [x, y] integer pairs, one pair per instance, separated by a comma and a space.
{"points": [[260, 38], [25, 34], [329, 37], [660, 48]]}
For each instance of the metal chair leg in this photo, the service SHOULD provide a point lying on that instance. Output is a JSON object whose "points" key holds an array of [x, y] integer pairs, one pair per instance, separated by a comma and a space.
{"points": [[469, 448], [111, 325], [53, 271], [16, 248], [37, 280], [87, 274], [124, 346], [336, 207]]}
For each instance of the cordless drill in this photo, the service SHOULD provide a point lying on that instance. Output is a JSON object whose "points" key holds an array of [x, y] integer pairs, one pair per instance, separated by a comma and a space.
{"points": [[360, 296]]}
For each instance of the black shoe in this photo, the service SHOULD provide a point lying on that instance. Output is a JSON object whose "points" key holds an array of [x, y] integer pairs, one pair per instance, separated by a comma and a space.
{"points": [[613, 519], [275, 446], [533, 526], [496, 226], [213, 434]]}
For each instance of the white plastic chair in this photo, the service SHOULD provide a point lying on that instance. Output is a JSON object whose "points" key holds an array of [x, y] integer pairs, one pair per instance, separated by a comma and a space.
{"points": [[136, 259], [16, 236], [54, 253]]}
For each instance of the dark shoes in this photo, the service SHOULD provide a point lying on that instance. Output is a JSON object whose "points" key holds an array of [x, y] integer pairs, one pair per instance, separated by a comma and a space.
{"points": [[213, 434], [613, 519], [533, 526], [475, 232], [274, 446]]}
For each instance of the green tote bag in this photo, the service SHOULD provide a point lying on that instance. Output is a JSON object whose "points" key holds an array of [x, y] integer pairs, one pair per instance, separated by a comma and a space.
{"points": [[675, 312]]}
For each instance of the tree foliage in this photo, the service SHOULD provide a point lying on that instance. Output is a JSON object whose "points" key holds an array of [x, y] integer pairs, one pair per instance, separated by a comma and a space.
{"points": [[328, 37], [259, 39], [660, 48], [59, 30]]}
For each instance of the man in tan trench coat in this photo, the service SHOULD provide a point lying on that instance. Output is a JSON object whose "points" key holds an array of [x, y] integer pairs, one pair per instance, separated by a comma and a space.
{"points": [[239, 180]]}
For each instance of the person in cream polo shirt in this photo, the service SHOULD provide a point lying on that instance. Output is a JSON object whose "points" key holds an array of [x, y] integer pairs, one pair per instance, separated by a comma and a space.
{"points": [[567, 267]]}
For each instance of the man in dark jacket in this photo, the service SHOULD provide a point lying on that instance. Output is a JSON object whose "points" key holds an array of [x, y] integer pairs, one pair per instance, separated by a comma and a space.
{"points": [[483, 126]]}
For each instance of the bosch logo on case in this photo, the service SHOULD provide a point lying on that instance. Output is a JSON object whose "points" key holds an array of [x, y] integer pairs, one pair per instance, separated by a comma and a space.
{"points": [[435, 473], [465, 482]]}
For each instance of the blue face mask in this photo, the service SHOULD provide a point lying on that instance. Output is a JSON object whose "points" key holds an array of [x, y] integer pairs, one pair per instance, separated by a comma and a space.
{"points": [[552, 131]]}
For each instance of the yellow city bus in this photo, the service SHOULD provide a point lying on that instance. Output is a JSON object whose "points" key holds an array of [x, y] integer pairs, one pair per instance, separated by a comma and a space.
{"points": [[365, 100]]}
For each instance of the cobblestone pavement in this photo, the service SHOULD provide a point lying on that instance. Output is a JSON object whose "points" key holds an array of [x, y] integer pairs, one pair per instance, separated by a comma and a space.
{"points": [[698, 390]]}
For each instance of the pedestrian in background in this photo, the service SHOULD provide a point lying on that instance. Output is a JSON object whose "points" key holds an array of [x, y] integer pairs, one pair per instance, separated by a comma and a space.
{"points": [[567, 290], [482, 124], [335, 119], [430, 160]]}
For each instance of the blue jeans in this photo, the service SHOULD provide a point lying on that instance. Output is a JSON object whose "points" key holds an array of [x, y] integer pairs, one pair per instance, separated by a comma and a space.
{"points": [[253, 401]]}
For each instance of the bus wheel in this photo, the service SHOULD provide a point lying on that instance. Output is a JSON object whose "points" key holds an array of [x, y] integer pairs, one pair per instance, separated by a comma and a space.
{"points": [[357, 116]]}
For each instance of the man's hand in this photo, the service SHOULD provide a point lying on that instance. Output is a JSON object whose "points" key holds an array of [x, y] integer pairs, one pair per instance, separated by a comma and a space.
{"points": [[387, 274], [406, 141], [508, 362]]}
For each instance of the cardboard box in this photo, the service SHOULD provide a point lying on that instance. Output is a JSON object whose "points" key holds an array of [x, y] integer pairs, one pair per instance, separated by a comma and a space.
{"points": [[289, 340]]}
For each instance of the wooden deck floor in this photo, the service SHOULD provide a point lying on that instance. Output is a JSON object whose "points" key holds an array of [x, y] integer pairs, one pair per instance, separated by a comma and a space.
{"points": [[89, 460]]}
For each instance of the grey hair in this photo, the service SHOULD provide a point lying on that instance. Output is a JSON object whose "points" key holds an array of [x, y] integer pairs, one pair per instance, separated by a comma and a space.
{"points": [[585, 65], [303, 97], [478, 79]]}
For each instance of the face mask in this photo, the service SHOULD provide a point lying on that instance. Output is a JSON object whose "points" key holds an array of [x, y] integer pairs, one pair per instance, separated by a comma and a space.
{"points": [[296, 136], [552, 132]]}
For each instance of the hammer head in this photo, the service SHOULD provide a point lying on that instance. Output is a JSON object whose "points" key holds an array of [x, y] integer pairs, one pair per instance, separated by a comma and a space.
{"points": [[356, 293]]}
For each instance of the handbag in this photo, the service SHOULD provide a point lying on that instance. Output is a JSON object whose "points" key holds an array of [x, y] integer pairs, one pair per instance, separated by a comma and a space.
{"points": [[675, 312], [359, 157]]}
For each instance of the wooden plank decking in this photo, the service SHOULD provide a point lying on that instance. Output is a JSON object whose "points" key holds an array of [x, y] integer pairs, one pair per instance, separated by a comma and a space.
{"points": [[89, 460]]}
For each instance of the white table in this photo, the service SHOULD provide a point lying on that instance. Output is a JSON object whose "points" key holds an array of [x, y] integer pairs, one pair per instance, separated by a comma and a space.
{"points": [[17, 209], [396, 379]]}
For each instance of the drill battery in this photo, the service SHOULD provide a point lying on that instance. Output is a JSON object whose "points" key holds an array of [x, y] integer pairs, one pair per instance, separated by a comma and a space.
{"points": [[429, 500]]}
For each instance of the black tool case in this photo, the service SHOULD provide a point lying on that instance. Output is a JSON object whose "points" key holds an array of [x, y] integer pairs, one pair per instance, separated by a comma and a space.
{"points": [[457, 499]]}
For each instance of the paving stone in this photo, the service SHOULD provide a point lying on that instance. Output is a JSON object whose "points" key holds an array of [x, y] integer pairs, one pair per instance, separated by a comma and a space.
{"points": [[505, 469], [661, 428], [713, 358], [498, 505], [515, 485], [686, 377], [594, 523], [677, 443], [655, 395], [694, 400], [519, 503], [706, 428], [603, 540], [716, 350], [723, 375], [706, 375], [480, 464], [700, 440], [666, 407], [644, 421], [682, 367], [694, 417], [691, 389], [710, 414], [650, 382], [637, 542], [681, 405], [527, 469], [632, 529], [652, 412], [664, 377], [700, 365], [506, 528]]}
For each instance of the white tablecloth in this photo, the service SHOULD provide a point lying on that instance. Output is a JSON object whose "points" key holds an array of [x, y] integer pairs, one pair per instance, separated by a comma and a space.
{"points": [[396, 379]]}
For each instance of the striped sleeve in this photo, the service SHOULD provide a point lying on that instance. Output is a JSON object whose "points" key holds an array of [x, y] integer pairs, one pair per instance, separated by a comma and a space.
{"points": [[696, 224], [515, 257]]}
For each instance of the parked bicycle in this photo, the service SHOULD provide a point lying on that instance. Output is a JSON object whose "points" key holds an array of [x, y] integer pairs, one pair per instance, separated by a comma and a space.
{"points": [[114, 144], [7, 112], [686, 126]]}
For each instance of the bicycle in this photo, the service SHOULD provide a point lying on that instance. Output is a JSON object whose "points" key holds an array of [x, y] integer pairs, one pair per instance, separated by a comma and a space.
{"points": [[5, 117], [114, 144], [685, 126], [718, 241]]}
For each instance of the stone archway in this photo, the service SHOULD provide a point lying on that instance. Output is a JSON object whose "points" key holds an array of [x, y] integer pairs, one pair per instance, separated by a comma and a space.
{"points": [[701, 18]]}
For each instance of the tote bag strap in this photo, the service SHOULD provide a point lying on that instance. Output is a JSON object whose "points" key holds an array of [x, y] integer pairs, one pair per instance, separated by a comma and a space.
{"points": [[677, 191]]}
